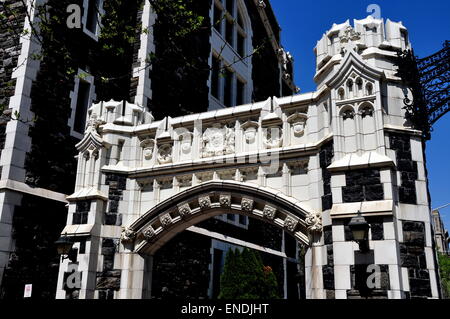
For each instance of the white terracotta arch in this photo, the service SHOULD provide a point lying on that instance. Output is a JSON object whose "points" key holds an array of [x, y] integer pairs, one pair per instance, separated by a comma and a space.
{"points": [[152, 230]]}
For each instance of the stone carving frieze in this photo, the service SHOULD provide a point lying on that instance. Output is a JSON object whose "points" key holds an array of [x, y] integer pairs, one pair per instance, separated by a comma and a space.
{"points": [[186, 143], [165, 154], [298, 123], [148, 146], [218, 140], [250, 129], [273, 137]]}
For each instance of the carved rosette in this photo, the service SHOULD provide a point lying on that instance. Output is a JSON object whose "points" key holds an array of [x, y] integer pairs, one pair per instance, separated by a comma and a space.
{"points": [[204, 202], [290, 224], [269, 212], [165, 154], [225, 200], [127, 235], [166, 220], [314, 222], [184, 210], [149, 233], [247, 204]]}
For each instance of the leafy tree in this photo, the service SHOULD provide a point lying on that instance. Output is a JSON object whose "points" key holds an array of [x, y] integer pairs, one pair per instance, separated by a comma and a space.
{"points": [[444, 266], [246, 277]]}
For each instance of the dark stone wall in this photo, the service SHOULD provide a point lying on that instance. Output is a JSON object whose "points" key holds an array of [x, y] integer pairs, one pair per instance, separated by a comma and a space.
{"points": [[412, 254], [401, 144], [12, 18], [376, 228], [65, 51], [117, 184], [181, 268], [136, 63], [362, 185], [37, 224], [180, 69], [266, 72], [328, 269], [108, 280], [326, 158], [359, 275], [117, 50]]}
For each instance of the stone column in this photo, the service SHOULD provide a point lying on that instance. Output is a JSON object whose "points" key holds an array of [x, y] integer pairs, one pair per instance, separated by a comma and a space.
{"points": [[313, 269]]}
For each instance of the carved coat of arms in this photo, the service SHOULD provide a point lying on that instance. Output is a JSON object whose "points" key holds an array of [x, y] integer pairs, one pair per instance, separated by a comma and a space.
{"points": [[218, 140]]}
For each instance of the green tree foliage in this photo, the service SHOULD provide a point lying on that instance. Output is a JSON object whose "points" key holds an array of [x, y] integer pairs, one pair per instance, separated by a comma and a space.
{"points": [[246, 277], [444, 266], [180, 67]]}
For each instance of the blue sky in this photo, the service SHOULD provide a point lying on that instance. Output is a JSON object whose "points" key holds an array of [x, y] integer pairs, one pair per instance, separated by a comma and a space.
{"points": [[428, 22]]}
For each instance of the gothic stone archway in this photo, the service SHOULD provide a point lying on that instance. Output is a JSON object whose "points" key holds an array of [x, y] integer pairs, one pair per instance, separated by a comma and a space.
{"points": [[151, 231]]}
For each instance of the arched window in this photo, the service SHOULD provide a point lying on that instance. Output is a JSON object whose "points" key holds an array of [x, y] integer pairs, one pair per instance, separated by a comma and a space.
{"points": [[350, 86], [341, 94], [232, 28], [369, 89], [359, 85]]}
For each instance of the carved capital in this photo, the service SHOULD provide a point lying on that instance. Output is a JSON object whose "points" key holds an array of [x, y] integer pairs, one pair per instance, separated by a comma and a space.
{"points": [[314, 222], [127, 235]]}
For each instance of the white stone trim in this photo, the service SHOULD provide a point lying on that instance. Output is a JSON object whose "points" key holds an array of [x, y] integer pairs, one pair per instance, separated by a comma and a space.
{"points": [[26, 189], [144, 90], [74, 100], [95, 35]]}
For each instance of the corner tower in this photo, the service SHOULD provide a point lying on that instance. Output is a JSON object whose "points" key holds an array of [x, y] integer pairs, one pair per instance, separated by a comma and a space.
{"points": [[378, 167]]}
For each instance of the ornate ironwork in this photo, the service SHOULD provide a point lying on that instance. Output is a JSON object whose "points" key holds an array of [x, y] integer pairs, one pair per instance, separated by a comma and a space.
{"points": [[429, 81]]}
